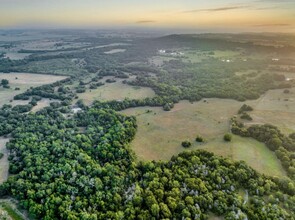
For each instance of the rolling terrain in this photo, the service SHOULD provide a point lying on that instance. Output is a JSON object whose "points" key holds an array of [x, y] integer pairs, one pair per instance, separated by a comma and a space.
{"points": [[96, 126]]}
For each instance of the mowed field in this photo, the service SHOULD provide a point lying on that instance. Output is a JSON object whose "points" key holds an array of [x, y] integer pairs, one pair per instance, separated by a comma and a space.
{"points": [[160, 134], [115, 91], [23, 81]]}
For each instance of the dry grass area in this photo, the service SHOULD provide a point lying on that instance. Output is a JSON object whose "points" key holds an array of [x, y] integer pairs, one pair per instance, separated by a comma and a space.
{"points": [[4, 164], [43, 103], [23, 81], [160, 134], [115, 91], [29, 78], [277, 108]]}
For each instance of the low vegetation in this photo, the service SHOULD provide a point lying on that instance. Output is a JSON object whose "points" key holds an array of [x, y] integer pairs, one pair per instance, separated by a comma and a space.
{"points": [[186, 144], [227, 137], [5, 83], [200, 139]]}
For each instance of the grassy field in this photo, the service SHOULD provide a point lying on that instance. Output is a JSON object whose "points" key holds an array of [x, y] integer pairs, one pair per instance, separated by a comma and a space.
{"points": [[254, 153], [277, 108], [115, 91], [24, 81], [4, 164], [160, 134]]}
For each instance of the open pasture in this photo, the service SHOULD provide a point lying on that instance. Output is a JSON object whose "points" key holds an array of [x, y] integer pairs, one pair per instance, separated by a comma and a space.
{"points": [[254, 153], [160, 134], [23, 81], [115, 91], [275, 107]]}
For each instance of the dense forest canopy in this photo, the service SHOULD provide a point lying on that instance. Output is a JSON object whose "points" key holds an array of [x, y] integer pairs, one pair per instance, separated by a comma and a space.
{"points": [[61, 173]]}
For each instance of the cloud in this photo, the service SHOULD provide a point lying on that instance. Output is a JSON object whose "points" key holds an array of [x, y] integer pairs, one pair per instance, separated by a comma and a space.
{"points": [[229, 8], [238, 7], [265, 8], [145, 21], [271, 25]]}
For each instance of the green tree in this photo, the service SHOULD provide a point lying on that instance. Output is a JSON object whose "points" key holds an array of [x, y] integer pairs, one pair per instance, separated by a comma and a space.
{"points": [[186, 144], [200, 139], [227, 137], [4, 82], [155, 209]]}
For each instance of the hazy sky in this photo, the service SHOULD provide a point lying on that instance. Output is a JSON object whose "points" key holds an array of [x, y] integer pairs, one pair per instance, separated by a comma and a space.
{"points": [[245, 15]]}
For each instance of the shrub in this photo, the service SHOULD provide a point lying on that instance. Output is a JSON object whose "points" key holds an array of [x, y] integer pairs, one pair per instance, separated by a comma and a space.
{"points": [[245, 108], [186, 144], [246, 116], [227, 137], [200, 139]]}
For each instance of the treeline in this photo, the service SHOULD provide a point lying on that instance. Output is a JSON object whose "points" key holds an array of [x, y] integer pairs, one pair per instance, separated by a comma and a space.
{"points": [[7, 65], [48, 91], [165, 102], [113, 72], [283, 146]]}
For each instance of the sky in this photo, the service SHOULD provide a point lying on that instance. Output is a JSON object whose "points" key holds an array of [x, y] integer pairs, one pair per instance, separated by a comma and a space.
{"points": [[211, 15]]}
